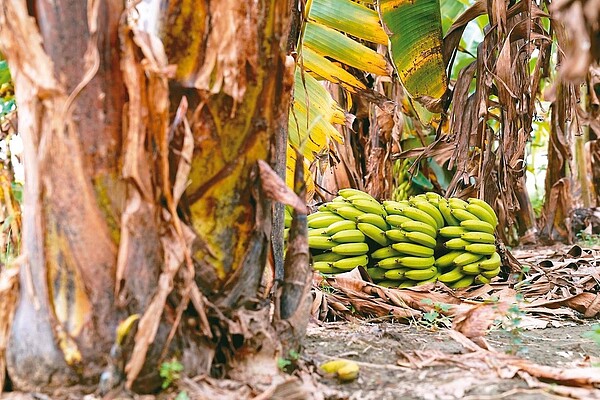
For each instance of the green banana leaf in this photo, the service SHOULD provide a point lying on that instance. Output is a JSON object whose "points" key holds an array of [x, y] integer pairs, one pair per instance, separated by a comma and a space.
{"points": [[415, 31]]}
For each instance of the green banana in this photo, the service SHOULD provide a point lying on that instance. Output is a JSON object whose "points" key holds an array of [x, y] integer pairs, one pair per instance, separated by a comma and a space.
{"points": [[377, 274], [444, 208], [407, 284], [464, 282], [432, 196], [462, 215], [490, 274], [416, 262], [338, 199], [481, 248], [328, 256], [324, 221], [340, 226], [368, 206], [388, 284], [452, 231], [422, 238], [456, 244], [349, 212], [350, 263], [351, 249], [395, 274], [478, 237], [321, 242], [455, 202], [349, 192], [482, 279], [349, 236], [418, 215], [418, 226], [430, 280], [317, 232], [482, 214], [471, 269], [384, 252], [425, 206], [320, 214], [323, 208], [467, 258], [374, 233], [451, 276], [325, 267], [374, 219], [477, 226], [447, 259], [491, 263], [389, 263], [485, 205], [397, 235], [413, 249], [334, 206], [287, 218], [421, 274], [397, 220]]}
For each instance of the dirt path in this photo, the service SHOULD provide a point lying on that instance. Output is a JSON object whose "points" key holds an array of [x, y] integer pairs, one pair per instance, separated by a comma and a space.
{"points": [[378, 347]]}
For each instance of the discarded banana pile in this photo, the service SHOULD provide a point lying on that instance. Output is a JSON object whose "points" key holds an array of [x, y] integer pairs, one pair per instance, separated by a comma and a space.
{"points": [[406, 243]]}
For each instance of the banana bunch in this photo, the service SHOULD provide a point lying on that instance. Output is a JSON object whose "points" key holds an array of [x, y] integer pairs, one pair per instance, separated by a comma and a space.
{"points": [[468, 238], [342, 232], [402, 180]]}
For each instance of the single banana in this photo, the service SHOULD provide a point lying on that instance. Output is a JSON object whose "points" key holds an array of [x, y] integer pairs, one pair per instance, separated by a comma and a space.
{"points": [[384, 252], [447, 259], [416, 262], [456, 244], [418, 226], [345, 370], [422, 238], [351, 249], [397, 220], [349, 192], [389, 263], [430, 280], [407, 284], [477, 226], [349, 236], [467, 258], [317, 232], [350, 263], [492, 262], [374, 233], [334, 206], [418, 215], [320, 242], [374, 219], [397, 235], [325, 267], [451, 276], [368, 206], [485, 205], [462, 215], [425, 206], [396, 274], [413, 249], [490, 274], [471, 269], [482, 279], [482, 214], [452, 231], [328, 256], [324, 221], [349, 212], [455, 202], [340, 226], [320, 214], [377, 274], [464, 282], [481, 248], [395, 207], [444, 208], [421, 274], [432, 196], [323, 207], [478, 237], [338, 199]]}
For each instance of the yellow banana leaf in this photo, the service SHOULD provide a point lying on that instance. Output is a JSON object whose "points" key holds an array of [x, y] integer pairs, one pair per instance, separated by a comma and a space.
{"points": [[324, 68], [290, 170], [415, 31]]}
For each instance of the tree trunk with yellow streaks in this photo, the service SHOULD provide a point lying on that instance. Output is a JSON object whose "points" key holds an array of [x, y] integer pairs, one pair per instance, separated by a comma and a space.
{"points": [[142, 133]]}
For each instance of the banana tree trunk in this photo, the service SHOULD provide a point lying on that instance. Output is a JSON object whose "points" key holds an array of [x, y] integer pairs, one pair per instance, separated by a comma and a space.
{"points": [[142, 192]]}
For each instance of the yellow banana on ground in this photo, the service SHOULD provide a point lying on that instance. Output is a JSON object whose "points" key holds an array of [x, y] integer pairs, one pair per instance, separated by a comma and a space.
{"points": [[374, 233], [351, 249], [413, 249], [345, 370], [421, 274]]}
